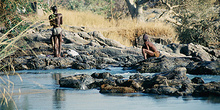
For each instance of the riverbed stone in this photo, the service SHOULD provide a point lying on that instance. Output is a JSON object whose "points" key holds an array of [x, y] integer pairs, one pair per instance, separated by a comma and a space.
{"points": [[161, 64], [197, 80], [80, 81], [105, 88], [204, 67], [208, 89]]}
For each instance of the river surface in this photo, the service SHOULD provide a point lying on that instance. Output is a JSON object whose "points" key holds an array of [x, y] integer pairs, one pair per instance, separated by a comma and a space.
{"points": [[39, 90]]}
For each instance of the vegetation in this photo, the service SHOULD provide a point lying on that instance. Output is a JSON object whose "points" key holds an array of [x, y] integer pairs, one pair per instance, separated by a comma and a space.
{"points": [[191, 21], [123, 30], [195, 20], [199, 19], [16, 26]]}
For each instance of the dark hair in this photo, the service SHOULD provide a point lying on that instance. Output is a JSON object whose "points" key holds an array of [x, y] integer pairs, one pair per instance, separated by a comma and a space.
{"points": [[145, 37], [54, 8]]}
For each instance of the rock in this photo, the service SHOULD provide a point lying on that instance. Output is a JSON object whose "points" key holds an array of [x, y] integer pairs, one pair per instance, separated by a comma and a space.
{"points": [[104, 75], [198, 51], [37, 37], [105, 88], [138, 77], [80, 66], [84, 35], [208, 89], [114, 43], [97, 35], [204, 67], [175, 84], [49, 67], [155, 81], [105, 41], [72, 53], [111, 51], [94, 43], [166, 90], [170, 83], [131, 83], [178, 73], [160, 64], [80, 81], [74, 38], [21, 67], [198, 80], [77, 28]]}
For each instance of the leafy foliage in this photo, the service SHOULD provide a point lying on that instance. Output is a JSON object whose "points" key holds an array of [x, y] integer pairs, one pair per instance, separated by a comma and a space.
{"points": [[198, 23], [196, 20], [13, 11]]}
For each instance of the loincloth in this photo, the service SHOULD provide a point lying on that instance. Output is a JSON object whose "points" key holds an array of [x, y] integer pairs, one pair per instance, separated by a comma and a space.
{"points": [[56, 31], [157, 54]]}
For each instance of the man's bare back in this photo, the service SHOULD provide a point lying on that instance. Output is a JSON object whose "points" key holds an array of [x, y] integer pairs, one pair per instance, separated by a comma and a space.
{"points": [[149, 49]]}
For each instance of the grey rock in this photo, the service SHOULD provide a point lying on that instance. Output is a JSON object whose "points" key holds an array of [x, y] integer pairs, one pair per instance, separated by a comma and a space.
{"points": [[198, 80], [81, 81], [204, 67]]}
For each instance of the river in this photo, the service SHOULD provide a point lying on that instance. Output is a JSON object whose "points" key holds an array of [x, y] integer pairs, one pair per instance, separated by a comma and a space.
{"points": [[39, 90]]}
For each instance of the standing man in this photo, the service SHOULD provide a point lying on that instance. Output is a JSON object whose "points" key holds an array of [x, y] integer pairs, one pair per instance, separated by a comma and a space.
{"points": [[56, 20], [149, 49]]}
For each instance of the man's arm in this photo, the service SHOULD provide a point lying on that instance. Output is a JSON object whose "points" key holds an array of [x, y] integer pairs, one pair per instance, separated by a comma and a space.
{"points": [[144, 53], [61, 19], [50, 20]]}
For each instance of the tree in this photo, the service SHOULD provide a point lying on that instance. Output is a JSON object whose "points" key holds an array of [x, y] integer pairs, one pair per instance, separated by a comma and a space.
{"points": [[195, 20], [136, 7]]}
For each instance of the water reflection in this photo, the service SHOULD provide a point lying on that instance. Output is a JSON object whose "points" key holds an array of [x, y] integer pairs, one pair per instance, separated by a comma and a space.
{"points": [[58, 97], [211, 99], [59, 94], [56, 77]]}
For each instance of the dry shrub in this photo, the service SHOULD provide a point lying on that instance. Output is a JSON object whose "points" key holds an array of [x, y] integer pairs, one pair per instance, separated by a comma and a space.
{"points": [[130, 29]]}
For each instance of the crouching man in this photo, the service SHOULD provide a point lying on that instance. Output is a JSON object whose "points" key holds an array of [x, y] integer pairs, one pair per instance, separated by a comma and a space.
{"points": [[149, 49]]}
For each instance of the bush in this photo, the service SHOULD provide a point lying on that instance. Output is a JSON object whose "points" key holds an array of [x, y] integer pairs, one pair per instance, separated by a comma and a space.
{"points": [[199, 19]]}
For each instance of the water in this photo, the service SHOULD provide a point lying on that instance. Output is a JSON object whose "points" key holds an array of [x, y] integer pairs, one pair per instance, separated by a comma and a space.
{"points": [[39, 90]]}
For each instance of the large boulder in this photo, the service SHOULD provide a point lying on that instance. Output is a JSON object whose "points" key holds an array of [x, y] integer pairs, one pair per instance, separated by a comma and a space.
{"points": [[105, 41], [85, 35], [204, 53], [112, 51], [171, 83], [161, 64], [197, 80], [80, 81], [208, 89], [74, 38], [105, 88], [204, 67], [43, 62], [104, 75]]}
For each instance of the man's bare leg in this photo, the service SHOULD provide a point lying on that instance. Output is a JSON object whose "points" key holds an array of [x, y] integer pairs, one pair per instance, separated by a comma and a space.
{"points": [[56, 46], [60, 44], [148, 52]]}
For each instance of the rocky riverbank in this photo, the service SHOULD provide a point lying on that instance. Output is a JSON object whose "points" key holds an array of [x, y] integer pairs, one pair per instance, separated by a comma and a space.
{"points": [[84, 50], [91, 50]]}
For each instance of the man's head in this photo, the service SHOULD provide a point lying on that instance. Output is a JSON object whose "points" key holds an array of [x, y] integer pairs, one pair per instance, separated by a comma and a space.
{"points": [[54, 9], [145, 37]]}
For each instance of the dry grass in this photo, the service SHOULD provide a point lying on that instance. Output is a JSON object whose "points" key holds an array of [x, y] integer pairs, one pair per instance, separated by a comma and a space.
{"points": [[124, 31], [8, 46]]}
